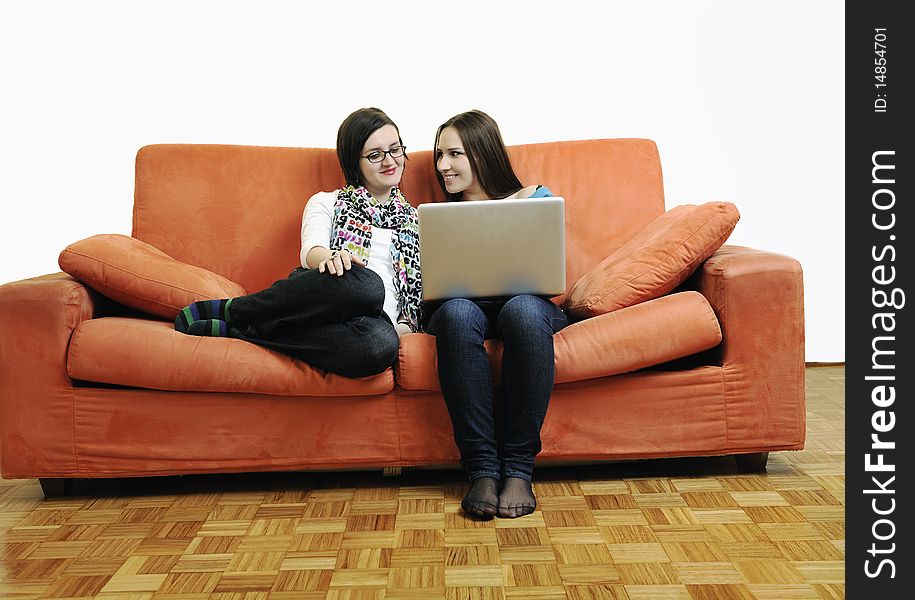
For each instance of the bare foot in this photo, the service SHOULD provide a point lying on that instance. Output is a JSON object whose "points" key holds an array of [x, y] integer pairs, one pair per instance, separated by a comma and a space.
{"points": [[480, 501], [517, 498]]}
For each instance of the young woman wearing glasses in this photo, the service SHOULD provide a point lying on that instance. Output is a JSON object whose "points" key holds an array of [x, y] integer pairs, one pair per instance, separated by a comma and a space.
{"points": [[472, 164], [359, 285]]}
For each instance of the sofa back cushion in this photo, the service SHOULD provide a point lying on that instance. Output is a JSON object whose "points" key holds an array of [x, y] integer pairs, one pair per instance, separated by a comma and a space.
{"points": [[237, 210]]}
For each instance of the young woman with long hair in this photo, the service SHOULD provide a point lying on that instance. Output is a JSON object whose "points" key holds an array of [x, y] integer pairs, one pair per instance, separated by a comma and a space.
{"points": [[472, 163]]}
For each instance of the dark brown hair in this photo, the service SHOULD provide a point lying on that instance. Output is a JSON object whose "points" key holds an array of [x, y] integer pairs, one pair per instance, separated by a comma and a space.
{"points": [[351, 137], [486, 152]]}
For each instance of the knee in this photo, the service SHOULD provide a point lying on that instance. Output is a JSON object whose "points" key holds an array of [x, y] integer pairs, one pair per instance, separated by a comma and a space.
{"points": [[366, 285], [524, 313], [460, 317]]}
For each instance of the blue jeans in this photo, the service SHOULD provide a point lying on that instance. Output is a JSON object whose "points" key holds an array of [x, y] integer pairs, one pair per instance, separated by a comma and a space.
{"points": [[333, 323], [526, 325]]}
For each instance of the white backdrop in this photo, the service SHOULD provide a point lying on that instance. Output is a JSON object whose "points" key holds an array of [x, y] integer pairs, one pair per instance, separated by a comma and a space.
{"points": [[745, 101]]}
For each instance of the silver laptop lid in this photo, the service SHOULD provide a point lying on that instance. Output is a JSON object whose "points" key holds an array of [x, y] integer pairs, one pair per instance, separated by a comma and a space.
{"points": [[492, 248]]}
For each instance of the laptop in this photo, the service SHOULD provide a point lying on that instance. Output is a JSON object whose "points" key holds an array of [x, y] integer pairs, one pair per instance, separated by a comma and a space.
{"points": [[492, 248]]}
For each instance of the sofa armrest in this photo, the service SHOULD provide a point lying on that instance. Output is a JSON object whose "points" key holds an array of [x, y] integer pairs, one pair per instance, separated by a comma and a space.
{"points": [[758, 298], [37, 318]]}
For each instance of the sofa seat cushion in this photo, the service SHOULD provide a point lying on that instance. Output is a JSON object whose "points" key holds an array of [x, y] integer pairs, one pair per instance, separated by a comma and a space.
{"points": [[151, 354], [625, 340]]}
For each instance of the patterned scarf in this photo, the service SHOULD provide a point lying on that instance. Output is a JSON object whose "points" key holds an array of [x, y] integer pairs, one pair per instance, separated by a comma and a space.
{"points": [[355, 212]]}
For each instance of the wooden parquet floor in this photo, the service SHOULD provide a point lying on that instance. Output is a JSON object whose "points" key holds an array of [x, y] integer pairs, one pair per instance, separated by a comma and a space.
{"points": [[668, 529]]}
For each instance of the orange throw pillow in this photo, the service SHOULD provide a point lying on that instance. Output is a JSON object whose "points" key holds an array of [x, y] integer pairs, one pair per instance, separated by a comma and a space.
{"points": [[141, 276], [655, 261]]}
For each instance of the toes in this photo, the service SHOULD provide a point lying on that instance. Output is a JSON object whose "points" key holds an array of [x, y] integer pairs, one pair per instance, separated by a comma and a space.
{"points": [[485, 509], [510, 512], [513, 511], [482, 510], [479, 513]]}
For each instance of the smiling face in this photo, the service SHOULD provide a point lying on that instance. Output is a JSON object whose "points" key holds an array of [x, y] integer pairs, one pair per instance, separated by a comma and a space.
{"points": [[452, 162], [378, 178]]}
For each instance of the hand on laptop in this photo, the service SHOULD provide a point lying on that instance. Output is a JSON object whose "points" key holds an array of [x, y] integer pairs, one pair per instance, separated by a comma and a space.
{"points": [[338, 262]]}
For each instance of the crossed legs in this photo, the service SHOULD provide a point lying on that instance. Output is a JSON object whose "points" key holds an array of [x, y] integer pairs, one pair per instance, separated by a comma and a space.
{"points": [[333, 323]]}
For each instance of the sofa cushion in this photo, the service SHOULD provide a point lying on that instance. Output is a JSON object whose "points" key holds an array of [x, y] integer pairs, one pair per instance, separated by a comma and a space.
{"points": [[626, 340], [141, 276], [151, 354], [655, 261]]}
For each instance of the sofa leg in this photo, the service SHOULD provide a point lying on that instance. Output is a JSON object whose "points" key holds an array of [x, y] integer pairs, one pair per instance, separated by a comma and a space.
{"points": [[754, 462], [391, 472], [56, 486]]}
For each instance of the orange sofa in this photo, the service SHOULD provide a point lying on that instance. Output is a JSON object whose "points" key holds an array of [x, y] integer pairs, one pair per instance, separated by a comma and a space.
{"points": [[90, 389]]}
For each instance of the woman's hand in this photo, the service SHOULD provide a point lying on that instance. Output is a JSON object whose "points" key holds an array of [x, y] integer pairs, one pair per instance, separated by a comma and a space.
{"points": [[338, 262]]}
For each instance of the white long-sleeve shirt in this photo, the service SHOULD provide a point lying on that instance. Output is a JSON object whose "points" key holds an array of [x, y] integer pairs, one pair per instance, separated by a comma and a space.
{"points": [[317, 226]]}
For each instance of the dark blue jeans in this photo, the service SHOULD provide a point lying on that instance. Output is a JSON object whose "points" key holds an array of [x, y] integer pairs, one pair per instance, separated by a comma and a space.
{"points": [[526, 325], [336, 324]]}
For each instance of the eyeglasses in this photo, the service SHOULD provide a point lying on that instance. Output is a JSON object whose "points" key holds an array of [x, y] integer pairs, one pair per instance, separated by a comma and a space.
{"points": [[378, 155]]}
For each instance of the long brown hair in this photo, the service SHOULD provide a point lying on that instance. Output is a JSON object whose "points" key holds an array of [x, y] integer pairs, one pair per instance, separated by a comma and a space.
{"points": [[486, 153]]}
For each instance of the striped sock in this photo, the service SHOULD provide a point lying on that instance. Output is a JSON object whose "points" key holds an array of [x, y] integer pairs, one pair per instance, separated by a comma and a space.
{"points": [[204, 309], [209, 327]]}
